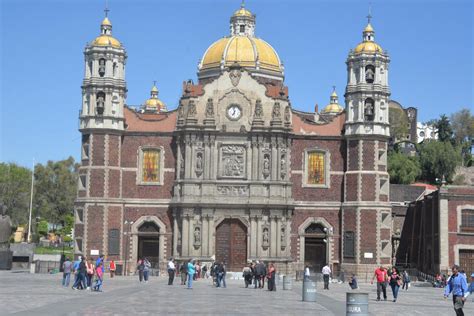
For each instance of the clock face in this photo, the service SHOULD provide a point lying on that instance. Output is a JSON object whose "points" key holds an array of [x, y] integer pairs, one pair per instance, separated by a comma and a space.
{"points": [[234, 112]]}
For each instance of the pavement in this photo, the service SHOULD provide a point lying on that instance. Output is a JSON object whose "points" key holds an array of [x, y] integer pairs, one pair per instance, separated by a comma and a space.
{"points": [[42, 294]]}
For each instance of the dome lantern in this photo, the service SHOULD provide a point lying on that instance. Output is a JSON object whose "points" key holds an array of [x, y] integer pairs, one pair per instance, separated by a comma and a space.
{"points": [[153, 104], [333, 107], [368, 45], [242, 22]]}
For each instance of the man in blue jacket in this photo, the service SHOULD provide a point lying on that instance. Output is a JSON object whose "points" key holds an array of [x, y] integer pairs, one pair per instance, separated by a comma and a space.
{"points": [[458, 286]]}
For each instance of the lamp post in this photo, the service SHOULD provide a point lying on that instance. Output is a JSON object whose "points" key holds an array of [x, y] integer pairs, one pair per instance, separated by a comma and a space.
{"points": [[127, 233]]}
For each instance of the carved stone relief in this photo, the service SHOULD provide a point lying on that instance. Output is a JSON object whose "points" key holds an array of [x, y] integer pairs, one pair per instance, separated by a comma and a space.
{"points": [[265, 237], [197, 236], [276, 111], [209, 108], [283, 166], [191, 109], [232, 161], [234, 76], [258, 110], [233, 190], [287, 114], [266, 165], [283, 237], [199, 164]]}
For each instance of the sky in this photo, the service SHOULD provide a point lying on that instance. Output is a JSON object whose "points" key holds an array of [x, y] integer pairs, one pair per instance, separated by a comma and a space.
{"points": [[430, 43]]}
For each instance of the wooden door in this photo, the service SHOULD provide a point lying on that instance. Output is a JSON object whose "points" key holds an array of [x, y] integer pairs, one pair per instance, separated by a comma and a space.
{"points": [[231, 244], [466, 261], [315, 253]]}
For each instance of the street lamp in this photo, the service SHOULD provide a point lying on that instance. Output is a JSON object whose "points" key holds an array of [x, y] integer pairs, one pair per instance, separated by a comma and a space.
{"points": [[127, 233]]}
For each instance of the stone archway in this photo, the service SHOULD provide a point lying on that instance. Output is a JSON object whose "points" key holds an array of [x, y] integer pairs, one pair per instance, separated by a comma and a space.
{"points": [[137, 233], [231, 243], [315, 234]]}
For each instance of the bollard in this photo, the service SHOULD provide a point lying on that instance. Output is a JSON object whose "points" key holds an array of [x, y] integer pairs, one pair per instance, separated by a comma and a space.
{"points": [[357, 304], [309, 291], [287, 283]]}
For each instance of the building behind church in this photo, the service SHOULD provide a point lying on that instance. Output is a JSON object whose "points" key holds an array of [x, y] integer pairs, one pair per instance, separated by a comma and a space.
{"points": [[235, 173]]}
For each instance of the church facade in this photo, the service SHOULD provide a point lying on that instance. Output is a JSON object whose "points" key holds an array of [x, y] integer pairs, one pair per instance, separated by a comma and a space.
{"points": [[235, 173]]}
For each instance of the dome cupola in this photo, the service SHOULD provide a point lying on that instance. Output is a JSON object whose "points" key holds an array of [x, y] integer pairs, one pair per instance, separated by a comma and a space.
{"points": [[153, 104], [242, 47], [333, 107], [106, 38], [368, 44]]}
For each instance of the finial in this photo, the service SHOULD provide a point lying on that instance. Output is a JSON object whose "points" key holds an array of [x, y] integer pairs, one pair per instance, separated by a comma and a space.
{"points": [[106, 10], [333, 88], [154, 83], [369, 16], [242, 5]]}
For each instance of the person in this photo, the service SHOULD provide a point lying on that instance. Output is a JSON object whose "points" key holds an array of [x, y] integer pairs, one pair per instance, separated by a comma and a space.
{"points": [[247, 274], [198, 270], [470, 289], [306, 273], [100, 260], [75, 268], [326, 273], [204, 271], [112, 268], [184, 272], [90, 273], [171, 270], [146, 269], [191, 271], [271, 277], [99, 278], [140, 268], [406, 280], [67, 268], [458, 286], [353, 282], [81, 275], [224, 274], [381, 275], [260, 274], [395, 281], [218, 270]]}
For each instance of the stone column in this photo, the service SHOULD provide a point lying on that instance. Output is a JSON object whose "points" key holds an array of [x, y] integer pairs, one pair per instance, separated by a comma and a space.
{"points": [[278, 236], [273, 236], [185, 235], [205, 234], [210, 235], [274, 164], [253, 236], [190, 240], [213, 156], [207, 158], [178, 162], [258, 238], [254, 160], [443, 232], [188, 159], [175, 233]]}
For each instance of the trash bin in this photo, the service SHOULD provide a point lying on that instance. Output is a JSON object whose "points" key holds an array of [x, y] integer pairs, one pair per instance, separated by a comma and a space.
{"points": [[357, 304], [287, 283], [309, 291], [118, 269]]}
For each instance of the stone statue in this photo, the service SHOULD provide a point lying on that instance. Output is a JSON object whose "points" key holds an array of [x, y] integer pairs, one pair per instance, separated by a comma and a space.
{"points": [[283, 167], [6, 255], [209, 108], [197, 235], [287, 114], [100, 104], [266, 165], [258, 110], [191, 109], [199, 164], [180, 111], [265, 237], [283, 236], [5, 228], [276, 111]]}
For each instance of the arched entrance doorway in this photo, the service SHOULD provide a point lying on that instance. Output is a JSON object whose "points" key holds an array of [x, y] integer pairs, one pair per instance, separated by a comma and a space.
{"points": [[231, 244], [315, 247], [149, 243]]}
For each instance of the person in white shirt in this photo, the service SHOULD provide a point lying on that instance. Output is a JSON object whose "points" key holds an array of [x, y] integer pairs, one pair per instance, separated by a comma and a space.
{"points": [[306, 273], [171, 271], [326, 273]]}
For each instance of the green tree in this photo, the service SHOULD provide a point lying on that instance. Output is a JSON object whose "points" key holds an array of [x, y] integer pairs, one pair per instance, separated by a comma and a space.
{"points": [[403, 169], [55, 189], [463, 128], [15, 183], [43, 228], [438, 159], [445, 131], [398, 124]]}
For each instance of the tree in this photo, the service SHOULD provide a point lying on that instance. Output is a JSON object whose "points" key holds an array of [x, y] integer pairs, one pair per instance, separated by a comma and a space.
{"points": [[55, 189], [43, 228], [438, 159], [398, 124], [463, 128], [15, 183], [403, 169], [445, 131]]}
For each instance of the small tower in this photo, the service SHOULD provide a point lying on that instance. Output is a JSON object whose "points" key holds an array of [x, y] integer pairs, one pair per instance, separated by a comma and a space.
{"points": [[104, 88], [153, 104], [333, 108], [366, 210], [242, 22]]}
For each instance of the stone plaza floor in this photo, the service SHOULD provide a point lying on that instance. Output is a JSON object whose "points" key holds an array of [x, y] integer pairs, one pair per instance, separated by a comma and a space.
{"points": [[40, 294]]}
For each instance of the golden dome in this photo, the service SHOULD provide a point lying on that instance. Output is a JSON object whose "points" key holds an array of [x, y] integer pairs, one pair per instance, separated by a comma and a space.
{"points": [[247, 51], [334, 94], [106, 40], [368, 47], [243, 12], [333, 108], [153, 104]]}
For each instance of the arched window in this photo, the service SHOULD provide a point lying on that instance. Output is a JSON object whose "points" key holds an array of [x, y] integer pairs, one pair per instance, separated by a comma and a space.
{"points": [[315, 229], [149, 227], [369, 74], [369, 106]]}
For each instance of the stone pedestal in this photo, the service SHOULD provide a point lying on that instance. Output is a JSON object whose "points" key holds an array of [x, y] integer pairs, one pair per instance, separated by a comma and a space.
{"points": [[6, 257]]}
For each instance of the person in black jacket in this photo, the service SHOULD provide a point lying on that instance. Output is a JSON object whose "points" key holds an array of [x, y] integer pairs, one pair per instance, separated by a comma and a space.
{"points": [[81, 275]]}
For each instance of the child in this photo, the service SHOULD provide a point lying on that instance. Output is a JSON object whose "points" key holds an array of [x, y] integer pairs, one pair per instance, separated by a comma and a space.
{"points": [[353, 282], [99, 278]]}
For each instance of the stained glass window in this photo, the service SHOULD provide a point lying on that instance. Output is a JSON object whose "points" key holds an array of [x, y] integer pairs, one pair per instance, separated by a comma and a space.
{"points": [[151, 165], [316, 167]]}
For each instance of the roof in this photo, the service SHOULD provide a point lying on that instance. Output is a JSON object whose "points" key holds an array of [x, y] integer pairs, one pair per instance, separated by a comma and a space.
{"points": [[405, 192], [303, 126], [150, 122]]}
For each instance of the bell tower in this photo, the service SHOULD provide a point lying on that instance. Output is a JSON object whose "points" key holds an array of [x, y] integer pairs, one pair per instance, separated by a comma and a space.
{"points": [[104, 88], [366, 210]]}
